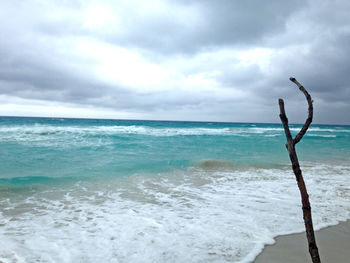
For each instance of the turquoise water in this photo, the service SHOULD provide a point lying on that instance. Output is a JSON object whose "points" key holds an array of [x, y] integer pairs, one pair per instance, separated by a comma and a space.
{"points": [[133, 189], [32, 148]]}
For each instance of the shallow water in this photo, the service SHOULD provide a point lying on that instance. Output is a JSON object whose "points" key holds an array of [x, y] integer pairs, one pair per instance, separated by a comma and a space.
{"points": [[140, 191]]}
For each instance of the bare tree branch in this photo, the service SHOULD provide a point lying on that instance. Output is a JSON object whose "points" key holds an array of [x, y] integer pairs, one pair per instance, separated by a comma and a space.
{"points": [[297, 172], [311, 110]]}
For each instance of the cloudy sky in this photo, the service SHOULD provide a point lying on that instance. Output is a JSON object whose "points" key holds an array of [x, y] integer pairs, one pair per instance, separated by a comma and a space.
{"points": [[215, 60]]}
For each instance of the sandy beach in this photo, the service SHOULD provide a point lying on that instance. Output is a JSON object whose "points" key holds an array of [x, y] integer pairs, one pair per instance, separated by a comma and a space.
{"points": [[333, 243]]}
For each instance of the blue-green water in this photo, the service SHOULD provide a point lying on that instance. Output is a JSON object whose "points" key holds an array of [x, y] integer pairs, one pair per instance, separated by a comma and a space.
{"points": [[140, 187], [40, 147]]}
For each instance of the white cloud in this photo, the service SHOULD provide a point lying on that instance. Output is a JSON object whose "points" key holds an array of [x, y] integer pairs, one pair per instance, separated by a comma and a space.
{"points": [[173, 60]]}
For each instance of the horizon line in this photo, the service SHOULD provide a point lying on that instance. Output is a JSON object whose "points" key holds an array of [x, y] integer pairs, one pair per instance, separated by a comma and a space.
{"points": [[111, 119]]}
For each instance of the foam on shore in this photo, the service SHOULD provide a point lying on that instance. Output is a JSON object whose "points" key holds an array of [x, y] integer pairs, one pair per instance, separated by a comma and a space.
{"points": [[202, 215]]}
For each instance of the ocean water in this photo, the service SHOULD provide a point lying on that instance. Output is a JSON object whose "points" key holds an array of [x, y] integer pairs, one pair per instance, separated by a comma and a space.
{"points": [[74, 190]]}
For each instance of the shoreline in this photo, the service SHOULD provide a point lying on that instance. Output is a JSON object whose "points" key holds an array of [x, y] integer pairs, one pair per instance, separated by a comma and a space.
{"points": [[333, 243]]}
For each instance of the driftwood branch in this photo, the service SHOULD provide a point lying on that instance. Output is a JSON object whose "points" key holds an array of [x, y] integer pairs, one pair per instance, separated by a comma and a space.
{"points": [[290, 145], [311, 111]]}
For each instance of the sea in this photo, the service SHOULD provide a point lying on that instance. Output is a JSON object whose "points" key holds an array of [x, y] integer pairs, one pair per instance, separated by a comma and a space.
{"points": [[86, 190]]}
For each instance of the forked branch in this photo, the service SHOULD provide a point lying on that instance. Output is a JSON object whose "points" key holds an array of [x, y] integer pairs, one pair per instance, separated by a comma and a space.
{"points": [[296, 169], [310, 109]]}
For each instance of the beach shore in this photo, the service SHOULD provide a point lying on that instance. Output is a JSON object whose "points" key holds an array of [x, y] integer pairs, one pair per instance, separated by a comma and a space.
{"points": [[333, 243]]}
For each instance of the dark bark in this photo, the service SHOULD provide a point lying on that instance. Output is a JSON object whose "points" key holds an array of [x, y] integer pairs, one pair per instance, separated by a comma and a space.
{"points": [[296, 169]]}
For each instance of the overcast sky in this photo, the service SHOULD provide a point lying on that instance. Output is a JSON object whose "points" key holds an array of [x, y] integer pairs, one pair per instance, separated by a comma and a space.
{"points": [[215, 60]]}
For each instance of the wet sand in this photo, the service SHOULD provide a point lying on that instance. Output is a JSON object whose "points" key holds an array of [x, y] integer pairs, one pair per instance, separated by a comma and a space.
{"points": [[333, 243]]}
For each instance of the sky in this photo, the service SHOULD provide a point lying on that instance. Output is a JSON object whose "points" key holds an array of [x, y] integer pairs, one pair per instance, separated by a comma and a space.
{"points": [[200, 60]]}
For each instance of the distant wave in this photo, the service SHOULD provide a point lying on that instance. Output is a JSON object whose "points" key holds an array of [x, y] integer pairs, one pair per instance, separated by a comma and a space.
{"points": [[51, 130], [313, 129], [323, 135]]}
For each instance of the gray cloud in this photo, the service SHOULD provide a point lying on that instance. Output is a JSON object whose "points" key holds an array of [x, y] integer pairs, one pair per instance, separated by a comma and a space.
{"points": [[201, 25], [41, 57]]}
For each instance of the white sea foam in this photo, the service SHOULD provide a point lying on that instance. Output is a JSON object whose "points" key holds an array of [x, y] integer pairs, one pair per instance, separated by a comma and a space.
{"points": [[115, 130], [194, 216], [311, 129], [44, 133], [323, 135]]}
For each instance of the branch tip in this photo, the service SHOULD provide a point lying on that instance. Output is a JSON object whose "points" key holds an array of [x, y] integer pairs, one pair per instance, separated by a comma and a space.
{"points": [[310, 109]]}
